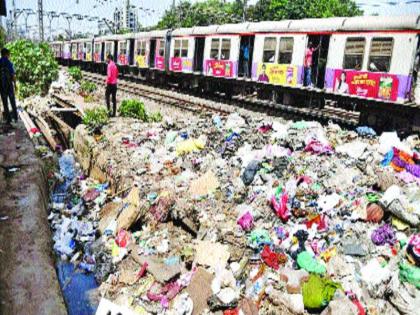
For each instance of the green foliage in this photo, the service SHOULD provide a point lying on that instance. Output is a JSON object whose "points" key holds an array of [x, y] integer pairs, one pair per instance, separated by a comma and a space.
{"points": [[2, 37], [187, 14], [135, 109], [75, 73], [96, 118], [88, 98], [35, 66], [276, 10], [87, 87], [155, 117]]}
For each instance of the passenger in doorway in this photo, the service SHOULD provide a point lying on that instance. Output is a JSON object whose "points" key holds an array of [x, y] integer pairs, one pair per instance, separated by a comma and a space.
{"points": [[111, 84], [8, 86], [263, 77], [307, 64], [341, 85], [245, 63]]}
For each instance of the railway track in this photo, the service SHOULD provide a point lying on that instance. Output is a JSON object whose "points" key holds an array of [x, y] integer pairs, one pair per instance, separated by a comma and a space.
{"points": [[170, 98], [223, 106]]}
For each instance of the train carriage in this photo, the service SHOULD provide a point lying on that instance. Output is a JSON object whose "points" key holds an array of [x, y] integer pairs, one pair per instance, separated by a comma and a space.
{"points": [[141, 50], [182, 51], [57, 48], [374, 62], [222, 51], [158, 50], [361, 63], [98, 56], [125, 49]]}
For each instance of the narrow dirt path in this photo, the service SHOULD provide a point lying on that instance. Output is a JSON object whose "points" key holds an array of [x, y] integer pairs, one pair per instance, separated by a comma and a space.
{"points": [[28, 281]]}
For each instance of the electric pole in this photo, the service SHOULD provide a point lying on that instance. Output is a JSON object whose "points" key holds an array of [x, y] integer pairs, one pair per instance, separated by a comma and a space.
{"points": [[41, 20], [14, 19]]}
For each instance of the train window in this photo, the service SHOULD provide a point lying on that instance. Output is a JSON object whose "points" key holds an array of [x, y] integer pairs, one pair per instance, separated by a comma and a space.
{"points": [[141, 48], [123, 48], [88, 47], [177, 48], [162, 48], [269, 53], [353, 53], [214, 52], [286, 50], [108, 49], [184, 48], [97, 48], [380, 54], [225, 51]]}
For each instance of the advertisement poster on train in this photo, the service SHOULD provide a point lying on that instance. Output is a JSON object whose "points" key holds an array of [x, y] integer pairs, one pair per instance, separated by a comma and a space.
{"points": [[181, 64], [219, 68], [277, 74], [122, 59], [367, 84], [96, 57], [141, 61], [88, 57], [160, 63]]}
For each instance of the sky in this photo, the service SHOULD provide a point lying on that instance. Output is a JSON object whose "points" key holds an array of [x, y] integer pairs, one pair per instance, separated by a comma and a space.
{"points": [[152, 10]]}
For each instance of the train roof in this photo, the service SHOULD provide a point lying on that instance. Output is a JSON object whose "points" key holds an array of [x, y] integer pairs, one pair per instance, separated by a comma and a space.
{"points": [[361, 23], [158, 33], [334, 24]]}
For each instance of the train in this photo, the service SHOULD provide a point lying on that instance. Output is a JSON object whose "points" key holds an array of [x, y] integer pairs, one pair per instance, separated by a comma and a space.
{"points": [[367, 64]]}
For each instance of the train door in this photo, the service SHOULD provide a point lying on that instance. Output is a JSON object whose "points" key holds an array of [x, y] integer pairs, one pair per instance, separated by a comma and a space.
{"points": [[152, 53], [245, 56], [131, 52], [199, 53], [103, 52], [319, 58]]}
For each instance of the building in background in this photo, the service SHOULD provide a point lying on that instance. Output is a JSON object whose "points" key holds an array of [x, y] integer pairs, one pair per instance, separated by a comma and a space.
{"points": [[126, 18]]}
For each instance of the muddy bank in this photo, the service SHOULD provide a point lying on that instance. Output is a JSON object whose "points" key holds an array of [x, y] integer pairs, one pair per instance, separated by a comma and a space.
{"points": [[28, 281]]}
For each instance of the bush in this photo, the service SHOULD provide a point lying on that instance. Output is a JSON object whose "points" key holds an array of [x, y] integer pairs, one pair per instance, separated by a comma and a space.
{"points": [[87, 87], [35, 66], [133, 108], [155, 117], [96, 118], [75, 73]]}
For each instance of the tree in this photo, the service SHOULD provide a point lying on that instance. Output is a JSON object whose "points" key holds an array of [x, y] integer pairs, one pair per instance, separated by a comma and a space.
{"points": [[2, 37], [299, 9], [35, 66], [187, 14], [203, 13]]}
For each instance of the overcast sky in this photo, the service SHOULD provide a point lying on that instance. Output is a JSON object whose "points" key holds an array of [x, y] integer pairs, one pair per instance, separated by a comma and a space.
{"points": [[156, 8]]}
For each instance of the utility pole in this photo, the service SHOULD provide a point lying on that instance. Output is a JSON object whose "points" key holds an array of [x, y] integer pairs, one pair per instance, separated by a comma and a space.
{"points": [[41, 20], [14, 18], [244, 10]]}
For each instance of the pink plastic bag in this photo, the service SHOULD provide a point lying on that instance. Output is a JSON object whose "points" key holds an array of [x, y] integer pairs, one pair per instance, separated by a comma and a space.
{"points": [[280, 207], [246, 221]]}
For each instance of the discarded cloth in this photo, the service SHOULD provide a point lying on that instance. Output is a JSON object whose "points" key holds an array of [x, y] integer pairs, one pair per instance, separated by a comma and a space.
{"points": [[384, 235], [306, 261]]}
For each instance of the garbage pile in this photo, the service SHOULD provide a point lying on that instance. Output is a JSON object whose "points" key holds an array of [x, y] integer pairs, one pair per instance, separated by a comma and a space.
{"points": [[240, 215]]}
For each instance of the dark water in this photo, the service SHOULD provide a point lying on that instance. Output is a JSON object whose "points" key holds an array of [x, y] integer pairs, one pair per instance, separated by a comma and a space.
{"points": [[77, 288]]}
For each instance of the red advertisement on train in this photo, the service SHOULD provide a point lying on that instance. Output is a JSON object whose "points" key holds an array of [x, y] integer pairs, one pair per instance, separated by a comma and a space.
{"points": [[160, 63], [176, 64], [367, 84], [219, 68]]}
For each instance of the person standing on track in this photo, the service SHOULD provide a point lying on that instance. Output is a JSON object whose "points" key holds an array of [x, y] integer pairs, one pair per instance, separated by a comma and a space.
{"points": [[307, 64], [8, 86], [111, 84]]}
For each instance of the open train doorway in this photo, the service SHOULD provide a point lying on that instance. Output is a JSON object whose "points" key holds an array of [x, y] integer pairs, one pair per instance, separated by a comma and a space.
{"points": [[246, 53], [199, 54], [319, 58], [152, 53]]}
